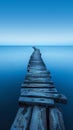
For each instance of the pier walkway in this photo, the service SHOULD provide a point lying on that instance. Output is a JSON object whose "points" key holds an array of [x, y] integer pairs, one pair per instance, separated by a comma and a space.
{"points": [[38, 97]]}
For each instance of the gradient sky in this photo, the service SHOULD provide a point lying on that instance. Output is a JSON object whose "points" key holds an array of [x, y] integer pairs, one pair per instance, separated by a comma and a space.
{"points": [[47, 22]]}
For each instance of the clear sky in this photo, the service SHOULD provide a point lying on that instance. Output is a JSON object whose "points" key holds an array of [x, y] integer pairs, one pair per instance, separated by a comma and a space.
{"points": [[47, 22]]}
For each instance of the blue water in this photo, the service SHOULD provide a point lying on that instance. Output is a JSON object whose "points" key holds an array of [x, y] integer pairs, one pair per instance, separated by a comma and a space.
{"points": [[13, 66]]}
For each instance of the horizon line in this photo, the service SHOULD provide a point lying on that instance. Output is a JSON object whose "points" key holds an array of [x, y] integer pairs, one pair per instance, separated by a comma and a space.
{"points": [[35, 45]]}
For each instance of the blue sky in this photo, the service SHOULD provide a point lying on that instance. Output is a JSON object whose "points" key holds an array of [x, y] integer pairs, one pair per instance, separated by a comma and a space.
{"points": [[40, 22]]}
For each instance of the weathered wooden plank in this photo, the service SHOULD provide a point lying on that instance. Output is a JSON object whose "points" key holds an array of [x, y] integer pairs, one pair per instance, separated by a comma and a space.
{"points": [[35, 55], [37, 85], [56, 119], [30, 61], [38, 82], [41, 71], [38, 72], [35, 101], [22, 119], [36, 59], [37, 67], [37, 76], [55, 96], [32, 64], [40, 79], [37, 63], [46, 90], [38, 92], [38, 120]]}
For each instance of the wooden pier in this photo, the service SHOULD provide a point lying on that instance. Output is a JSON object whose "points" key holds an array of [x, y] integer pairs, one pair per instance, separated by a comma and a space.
{"points": [[38, 97]]}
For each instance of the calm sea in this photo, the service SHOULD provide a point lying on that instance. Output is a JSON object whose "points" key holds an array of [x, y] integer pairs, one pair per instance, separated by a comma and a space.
{"points": [[13, 68]]}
